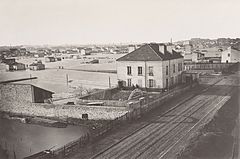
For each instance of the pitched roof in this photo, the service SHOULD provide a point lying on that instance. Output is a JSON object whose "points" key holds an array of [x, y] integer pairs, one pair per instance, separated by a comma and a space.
{"points": [[150, 52]]}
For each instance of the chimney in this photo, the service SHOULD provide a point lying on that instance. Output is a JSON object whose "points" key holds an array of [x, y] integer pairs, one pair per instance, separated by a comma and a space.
{"points": [[162, 48], [131, 48], [170, 48]]}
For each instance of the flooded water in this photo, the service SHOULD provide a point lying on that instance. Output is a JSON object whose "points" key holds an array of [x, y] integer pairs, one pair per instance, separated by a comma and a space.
{"points": [[56, 79], [25, 139]]}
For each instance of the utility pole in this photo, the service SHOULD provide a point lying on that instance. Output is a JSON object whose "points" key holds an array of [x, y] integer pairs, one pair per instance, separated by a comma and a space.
{"points": [[109, 82], [67, 79]]}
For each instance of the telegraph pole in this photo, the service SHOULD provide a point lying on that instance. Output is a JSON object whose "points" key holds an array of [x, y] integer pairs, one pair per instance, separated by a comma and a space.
{"points": [[109, 82], [67, 79]]}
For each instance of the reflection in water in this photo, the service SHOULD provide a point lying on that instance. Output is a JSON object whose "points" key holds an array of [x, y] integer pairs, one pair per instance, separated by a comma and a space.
{"points": [[23, 140]]}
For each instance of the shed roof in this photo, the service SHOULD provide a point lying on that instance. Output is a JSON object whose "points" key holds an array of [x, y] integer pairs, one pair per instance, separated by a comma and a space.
{"points": [[29, 85]]}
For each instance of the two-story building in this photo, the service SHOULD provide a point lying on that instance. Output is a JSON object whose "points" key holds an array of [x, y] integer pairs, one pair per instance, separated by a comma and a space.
{"points": [[231, 55], [151, 66]]}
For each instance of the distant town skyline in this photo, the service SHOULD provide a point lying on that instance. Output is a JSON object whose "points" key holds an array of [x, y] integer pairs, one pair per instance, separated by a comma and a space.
{"points": [[57, 22]]}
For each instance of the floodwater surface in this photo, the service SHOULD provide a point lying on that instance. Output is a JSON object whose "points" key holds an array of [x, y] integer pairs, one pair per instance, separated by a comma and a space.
{"points": [[26, 139]]}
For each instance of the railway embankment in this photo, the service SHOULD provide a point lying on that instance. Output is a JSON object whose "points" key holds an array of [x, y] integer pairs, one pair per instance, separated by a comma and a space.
{"points": [[215, 139]]}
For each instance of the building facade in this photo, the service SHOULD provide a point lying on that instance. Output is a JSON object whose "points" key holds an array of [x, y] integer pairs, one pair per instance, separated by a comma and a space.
{"points": [[151, 66], [15, 67], [37, 66], [50, 59], [231, 55]]}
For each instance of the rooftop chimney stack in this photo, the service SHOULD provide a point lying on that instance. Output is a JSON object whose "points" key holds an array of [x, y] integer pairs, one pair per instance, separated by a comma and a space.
{"points": [[162, 48], [170, 48]]}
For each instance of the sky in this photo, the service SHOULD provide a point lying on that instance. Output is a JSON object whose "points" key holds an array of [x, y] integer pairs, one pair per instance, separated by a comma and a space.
{"points": [[56, 22]]}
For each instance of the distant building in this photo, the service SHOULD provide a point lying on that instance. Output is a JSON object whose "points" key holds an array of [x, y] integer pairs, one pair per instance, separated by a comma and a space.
{"points": [[211, 55], [194, 56], [231, 55], [151, 66], [14, 52], [59, 58], [24, 93], [37, 66], [50, 59], [23, 51], [9, 60], [82, 52], [188, 48], [15, 66], [88, 51]]}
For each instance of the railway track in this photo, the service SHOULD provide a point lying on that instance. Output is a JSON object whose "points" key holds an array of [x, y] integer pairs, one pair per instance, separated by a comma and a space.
{"points": [[139, 147], [160, 144], [144, 141]]}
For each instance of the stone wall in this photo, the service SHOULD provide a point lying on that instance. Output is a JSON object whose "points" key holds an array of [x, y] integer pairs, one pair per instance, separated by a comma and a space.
{"points": [[111, 103], [62, 111], [16, 92]]}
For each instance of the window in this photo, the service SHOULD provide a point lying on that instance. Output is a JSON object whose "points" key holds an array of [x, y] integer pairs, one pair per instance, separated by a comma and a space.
{"points": [[228, 55], [174, 68], [172, 80], [166, 83], [151, 83], [166, 70], [150, 70], [129, 70], [129, 82], [139, 71], [180, 67]]}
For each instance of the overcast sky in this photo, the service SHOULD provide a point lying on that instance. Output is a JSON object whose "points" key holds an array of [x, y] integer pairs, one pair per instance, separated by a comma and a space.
{"points": [[114, 21]]}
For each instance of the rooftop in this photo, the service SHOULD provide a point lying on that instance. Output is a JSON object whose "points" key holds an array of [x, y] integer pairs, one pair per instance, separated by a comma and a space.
{"points": [[151, 52]]}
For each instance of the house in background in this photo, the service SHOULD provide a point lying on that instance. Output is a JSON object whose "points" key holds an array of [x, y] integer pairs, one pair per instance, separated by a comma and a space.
{"points": [[9, 60], [50, 59], [151, 66], [37, 65], [15, 66], [194, 56], [211, 55], [231, 55]]}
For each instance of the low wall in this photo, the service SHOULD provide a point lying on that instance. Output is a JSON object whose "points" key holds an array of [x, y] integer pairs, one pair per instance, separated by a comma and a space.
{"points": [[111, 103], [165, 97], [63, 111], [208, 80], [207, 66], [101, 95]]}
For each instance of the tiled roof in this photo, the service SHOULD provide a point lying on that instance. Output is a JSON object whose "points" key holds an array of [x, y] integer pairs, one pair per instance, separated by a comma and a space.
{"points": [[150, 52]]}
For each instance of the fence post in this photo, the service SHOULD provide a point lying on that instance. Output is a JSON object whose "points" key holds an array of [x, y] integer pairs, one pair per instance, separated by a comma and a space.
{"points": [[64, 149]]}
